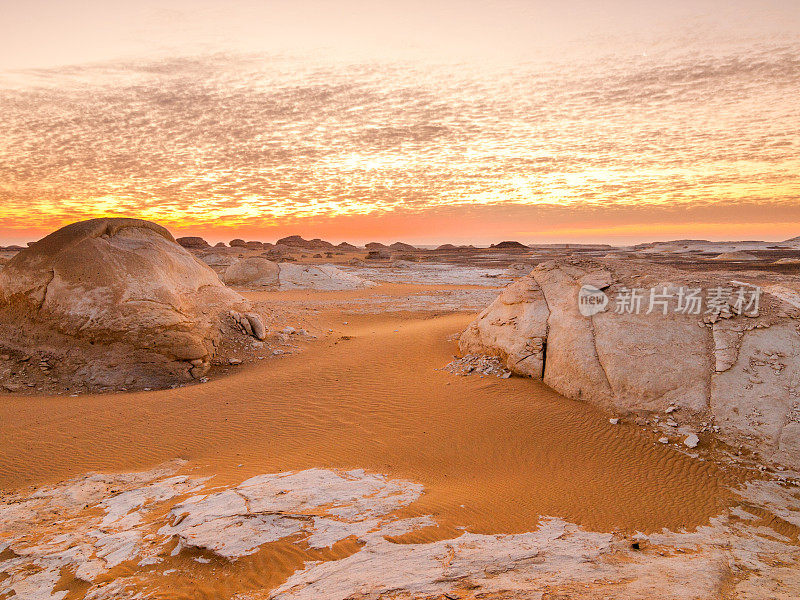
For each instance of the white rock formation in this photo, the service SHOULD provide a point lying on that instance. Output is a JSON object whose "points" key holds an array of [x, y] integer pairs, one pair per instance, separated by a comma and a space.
{"points": [[319, 277], [739, 372], [115, 302], [252, 272]]}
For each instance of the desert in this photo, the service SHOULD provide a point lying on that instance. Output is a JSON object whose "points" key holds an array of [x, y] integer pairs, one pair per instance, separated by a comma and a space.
{"points": [[423, 428], [400, 300]]}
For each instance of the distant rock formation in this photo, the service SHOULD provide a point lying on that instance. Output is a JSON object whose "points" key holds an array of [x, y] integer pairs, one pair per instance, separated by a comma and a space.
{"points": [[402, 247], [347, 247], [252, 272], [193, 242], [376, 246], [237, 243], [735, 372], [220, 245], [295, 241], [735, 256], [378, 255], [115, 303], [447, 247], [509, 245]]}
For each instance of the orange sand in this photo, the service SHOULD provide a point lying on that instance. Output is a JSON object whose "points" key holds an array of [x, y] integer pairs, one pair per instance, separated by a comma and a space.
{"points": [[492, 454]]}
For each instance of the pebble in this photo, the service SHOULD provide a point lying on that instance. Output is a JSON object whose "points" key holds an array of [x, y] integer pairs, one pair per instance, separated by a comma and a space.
{"points": [[664, 440], [692, 441], [234, 361], [613, 421]]}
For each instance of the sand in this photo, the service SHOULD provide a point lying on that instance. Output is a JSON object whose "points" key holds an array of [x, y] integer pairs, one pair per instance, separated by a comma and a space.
{"points": [[369, 392]]}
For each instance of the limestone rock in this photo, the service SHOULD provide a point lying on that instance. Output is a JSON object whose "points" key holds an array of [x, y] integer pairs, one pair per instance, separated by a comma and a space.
{"points": [[116, 303], [319, 277], [738, 371], [253, 271]]}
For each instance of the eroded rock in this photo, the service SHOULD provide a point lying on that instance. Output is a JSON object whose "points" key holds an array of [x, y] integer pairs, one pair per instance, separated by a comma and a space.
{"points": [[252, 272], [735, 369], [115, 303]]}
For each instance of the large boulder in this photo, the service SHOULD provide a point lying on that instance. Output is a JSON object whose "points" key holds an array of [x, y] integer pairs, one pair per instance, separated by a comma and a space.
{"points": [[116, 303], [253, 271], [732, 367]]}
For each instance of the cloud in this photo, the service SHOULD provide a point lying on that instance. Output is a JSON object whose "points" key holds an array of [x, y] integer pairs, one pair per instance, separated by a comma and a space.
{"points": [[248, 138]]}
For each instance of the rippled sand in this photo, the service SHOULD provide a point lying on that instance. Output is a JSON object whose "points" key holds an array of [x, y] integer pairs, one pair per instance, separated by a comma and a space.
{"points": [[493, 455]]}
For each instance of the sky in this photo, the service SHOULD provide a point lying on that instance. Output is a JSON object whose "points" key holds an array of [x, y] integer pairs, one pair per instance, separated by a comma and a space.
{"points": [[614, 121]]}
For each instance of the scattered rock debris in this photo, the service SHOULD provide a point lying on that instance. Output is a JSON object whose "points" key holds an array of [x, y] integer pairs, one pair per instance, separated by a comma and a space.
{"points": [[476, 364]]}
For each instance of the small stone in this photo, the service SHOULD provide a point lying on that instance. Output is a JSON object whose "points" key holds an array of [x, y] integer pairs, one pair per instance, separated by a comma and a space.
{"points": [[671, 409], [672, 423], [234, 361], [613, 421], [664, 440], [692, 441]]}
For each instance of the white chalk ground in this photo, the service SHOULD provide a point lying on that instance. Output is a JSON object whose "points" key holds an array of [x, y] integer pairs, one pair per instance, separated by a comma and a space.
{"points": [[431, 274], [87, 526], [319, 277]]}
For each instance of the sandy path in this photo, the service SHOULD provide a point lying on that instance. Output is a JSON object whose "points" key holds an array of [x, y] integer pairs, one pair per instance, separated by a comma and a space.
{"points": [[492, 454]]}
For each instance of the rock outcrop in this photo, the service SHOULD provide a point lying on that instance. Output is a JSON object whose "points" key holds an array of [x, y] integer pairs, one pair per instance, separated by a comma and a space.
{"points": [[509, 245], [731, 367], [194, 242], [319, 277], [295, 241], [403, 247], [116, 303], [251, 272]]}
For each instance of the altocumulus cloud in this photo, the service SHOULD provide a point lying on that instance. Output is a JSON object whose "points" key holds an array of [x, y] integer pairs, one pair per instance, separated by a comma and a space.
{"points": [[237, 138]]}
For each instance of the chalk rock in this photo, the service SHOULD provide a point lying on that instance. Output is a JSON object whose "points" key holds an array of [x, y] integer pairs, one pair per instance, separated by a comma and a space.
{"points": [[691, 441], [319, 277], [116, 303], [736, 370], [252, 272]]}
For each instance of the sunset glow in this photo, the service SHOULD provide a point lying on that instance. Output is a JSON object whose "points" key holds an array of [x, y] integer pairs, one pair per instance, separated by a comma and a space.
{"points": [[634, 128]]}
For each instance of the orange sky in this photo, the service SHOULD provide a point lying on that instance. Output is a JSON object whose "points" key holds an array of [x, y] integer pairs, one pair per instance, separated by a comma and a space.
{"points": [[472, 122]]}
